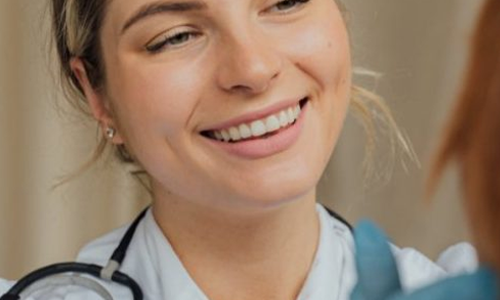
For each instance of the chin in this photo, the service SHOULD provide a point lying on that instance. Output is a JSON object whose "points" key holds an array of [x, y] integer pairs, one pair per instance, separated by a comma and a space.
{"points": [[279, 184], [278, 190]]}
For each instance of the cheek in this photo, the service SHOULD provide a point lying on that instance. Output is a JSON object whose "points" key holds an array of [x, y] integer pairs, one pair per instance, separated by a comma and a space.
{"points": [[323, 51], [324, 55], [156, 97]]}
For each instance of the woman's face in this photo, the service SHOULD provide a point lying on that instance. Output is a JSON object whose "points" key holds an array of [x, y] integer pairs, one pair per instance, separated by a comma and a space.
{"points": [[228, 103]]}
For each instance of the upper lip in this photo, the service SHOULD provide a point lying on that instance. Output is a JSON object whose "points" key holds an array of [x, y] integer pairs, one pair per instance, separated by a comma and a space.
{"points": [[256, 115]]}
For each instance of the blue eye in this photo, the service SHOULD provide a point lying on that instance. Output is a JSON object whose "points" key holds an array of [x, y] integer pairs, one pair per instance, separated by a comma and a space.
{"points": [[172, 40], [286, 5]]}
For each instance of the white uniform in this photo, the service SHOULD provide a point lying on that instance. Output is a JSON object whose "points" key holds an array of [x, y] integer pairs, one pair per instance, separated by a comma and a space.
{"points": [[152, 262]]}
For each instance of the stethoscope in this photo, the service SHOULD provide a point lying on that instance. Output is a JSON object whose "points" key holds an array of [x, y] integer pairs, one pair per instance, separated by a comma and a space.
{"points": [[70, 273]]}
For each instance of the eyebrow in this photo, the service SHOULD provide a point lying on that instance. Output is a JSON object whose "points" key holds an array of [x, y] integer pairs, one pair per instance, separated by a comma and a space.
{"points": [[162, 7]]}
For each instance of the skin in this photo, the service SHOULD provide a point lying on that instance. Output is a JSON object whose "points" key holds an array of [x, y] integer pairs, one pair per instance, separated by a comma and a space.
{"points": [[253, 216]]}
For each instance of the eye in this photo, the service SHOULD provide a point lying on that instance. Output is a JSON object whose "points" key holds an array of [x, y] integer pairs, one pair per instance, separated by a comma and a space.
{"points": [[286, 6], [171, 40]]}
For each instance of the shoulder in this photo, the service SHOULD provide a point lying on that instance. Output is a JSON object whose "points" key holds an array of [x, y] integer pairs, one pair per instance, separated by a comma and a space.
{"points": [[5, 285], [340, 227], [99, 250], [463, 253], [416, 269]]}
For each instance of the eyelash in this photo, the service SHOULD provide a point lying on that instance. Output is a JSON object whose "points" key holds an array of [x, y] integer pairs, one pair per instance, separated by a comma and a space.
{"points": [[296, 4], [168, 41]]}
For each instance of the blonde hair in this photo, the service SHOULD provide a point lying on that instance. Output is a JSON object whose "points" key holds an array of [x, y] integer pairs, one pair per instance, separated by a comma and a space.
{"points": [[375, 116], [76, 29]]}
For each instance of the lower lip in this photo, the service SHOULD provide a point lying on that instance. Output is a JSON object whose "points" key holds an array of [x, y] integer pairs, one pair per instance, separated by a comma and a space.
{"points": [[264, 147]]}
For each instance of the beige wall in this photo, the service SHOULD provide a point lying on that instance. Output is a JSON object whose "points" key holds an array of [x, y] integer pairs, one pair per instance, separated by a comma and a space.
{"points": [[420, 48], [40, 141], [417, 44]]}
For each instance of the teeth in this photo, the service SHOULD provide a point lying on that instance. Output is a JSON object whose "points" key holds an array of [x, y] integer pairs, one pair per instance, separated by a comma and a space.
{"points": [[272, 124], [283, 119], [218, 135], [259, 127], [234, 133], [245, 131], [291, 114], [225, 136]]}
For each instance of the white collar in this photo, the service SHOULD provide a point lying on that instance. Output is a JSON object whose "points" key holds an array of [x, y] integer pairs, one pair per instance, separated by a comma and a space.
{"points": [[332, 274], [152, 262]]}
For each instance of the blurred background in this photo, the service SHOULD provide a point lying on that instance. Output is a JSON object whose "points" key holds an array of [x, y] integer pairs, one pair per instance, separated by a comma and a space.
{"points": [[418, 46]]}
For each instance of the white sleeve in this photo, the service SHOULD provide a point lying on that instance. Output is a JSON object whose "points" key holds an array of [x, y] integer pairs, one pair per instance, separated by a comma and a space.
{"points": [[416, 270], [5, 285], [459, 259]]}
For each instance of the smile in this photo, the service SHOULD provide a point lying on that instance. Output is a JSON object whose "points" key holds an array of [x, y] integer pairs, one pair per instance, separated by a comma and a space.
{"points": [[260, 128]]}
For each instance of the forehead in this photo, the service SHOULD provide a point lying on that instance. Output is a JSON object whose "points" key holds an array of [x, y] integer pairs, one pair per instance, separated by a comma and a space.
{"points": [[120, 14], [127, 8]]}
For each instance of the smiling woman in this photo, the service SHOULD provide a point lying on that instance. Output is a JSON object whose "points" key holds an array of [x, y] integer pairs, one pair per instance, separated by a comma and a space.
{"points": [[233, 110]]}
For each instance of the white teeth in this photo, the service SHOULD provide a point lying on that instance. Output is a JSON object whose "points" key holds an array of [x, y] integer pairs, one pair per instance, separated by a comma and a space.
{"points": [[245, 131], [291, 115], [259, 127], [234, 133], [297, 111], [272, 123], [225, 136], [283, 119], [218, 135]]}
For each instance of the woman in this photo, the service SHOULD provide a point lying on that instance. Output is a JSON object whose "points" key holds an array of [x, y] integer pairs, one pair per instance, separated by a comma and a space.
{"points": [[232, 109], [472, 140]]}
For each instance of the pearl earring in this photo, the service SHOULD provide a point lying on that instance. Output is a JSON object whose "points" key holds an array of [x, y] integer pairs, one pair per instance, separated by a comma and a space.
{"points": [[110, 132]]}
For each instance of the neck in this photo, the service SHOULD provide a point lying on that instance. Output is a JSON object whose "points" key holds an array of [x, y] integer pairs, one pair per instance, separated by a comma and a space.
{"points": [[234, 256]]}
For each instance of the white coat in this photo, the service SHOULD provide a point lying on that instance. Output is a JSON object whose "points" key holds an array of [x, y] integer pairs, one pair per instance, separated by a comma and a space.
{"points": [[152, 262]]}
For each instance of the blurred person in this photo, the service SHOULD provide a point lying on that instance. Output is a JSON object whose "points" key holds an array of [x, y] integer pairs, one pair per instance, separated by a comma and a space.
{"points": [[472, 140], [232, 109]]}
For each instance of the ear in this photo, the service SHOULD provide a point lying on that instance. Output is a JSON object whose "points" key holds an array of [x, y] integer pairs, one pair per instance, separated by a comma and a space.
{"points": [[98, 105]]}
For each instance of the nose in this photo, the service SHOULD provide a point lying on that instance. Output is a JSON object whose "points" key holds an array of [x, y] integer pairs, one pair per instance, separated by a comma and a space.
{"points": [[248, 64]]}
